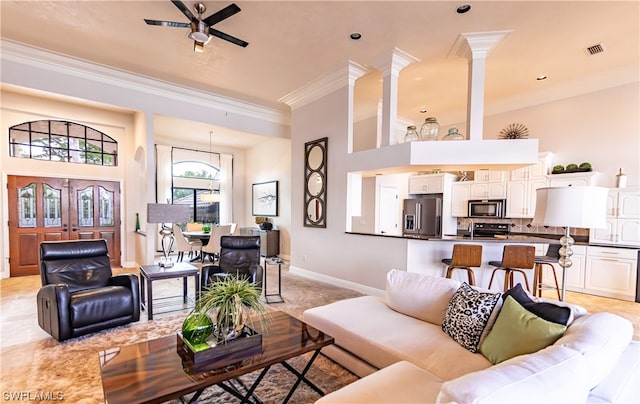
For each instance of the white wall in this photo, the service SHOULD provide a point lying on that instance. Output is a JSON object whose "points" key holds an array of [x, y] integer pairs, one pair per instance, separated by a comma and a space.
{"points": [[601, 128], [270, 161], [330, 251]]}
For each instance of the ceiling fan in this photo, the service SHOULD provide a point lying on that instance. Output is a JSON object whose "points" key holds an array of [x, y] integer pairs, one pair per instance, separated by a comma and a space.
{"points": [[201, 29]]}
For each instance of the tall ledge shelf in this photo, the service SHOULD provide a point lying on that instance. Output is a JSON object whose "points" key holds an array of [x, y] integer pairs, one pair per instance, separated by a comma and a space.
{"points": [[462, 155]]}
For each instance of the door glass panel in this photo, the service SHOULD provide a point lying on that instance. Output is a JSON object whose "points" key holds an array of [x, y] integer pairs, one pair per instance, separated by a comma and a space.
{"points": [[106, 207], [27, 206], [52, 206], [85, 207]]}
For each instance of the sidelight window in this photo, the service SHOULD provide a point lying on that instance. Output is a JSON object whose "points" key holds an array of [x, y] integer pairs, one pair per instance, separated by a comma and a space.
{"points": [[62, 141]]}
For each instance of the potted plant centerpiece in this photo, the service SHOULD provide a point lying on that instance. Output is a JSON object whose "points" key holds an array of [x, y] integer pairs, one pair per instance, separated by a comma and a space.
{"points": [[263, 223], [222, 312]]}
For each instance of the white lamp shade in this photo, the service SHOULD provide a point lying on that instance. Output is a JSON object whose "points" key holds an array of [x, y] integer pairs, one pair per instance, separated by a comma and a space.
{"points": [[210, 197], [583, 207]]}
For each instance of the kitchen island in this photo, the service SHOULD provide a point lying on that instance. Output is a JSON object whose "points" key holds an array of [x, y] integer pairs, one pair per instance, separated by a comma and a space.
{"points": [[603, 271]]}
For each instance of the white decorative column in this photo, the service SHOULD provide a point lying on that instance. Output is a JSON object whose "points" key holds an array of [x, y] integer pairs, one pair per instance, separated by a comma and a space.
{"points": [[475, 47], [355, 71], [390, 65]]}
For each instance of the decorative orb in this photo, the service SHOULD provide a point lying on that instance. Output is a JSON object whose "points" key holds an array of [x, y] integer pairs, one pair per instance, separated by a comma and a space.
{"points": [[197, 327]]}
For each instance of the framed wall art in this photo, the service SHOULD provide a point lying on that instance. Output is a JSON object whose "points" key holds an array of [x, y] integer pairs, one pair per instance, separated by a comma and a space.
{"points": [[265, 199]]}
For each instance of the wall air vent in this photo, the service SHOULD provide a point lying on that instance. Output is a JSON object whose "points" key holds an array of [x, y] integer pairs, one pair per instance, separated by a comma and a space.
{"points": [[594, 49]]}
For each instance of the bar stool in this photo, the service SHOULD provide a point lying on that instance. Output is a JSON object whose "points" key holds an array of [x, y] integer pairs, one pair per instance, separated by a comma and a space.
{"points": [[464, 257], [515, 258], [551, 257]]}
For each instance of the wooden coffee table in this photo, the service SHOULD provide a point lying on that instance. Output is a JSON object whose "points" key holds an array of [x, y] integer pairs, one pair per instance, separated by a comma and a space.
{"points": [[153, 372]]}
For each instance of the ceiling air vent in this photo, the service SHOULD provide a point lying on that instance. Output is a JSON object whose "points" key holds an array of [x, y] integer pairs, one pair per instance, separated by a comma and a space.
{"points": [[595, 49]]}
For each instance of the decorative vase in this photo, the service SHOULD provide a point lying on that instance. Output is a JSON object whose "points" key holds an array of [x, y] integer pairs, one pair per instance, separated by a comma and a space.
{"points": [[197, 327], [453, 134], [137, 222], [266, 226], [429, 129], [411, 135]]}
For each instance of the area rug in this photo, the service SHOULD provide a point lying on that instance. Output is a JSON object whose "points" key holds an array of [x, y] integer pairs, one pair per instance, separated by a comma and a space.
{"points": [[72, 368]]}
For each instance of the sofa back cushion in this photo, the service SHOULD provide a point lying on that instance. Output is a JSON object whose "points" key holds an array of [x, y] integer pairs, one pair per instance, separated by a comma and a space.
{"points": [[420, 296], [553, 375], [600, 338]]}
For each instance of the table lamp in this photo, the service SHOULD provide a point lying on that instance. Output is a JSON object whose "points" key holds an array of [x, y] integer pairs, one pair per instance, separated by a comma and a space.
{"points": [[167, 214], [583, 207]]}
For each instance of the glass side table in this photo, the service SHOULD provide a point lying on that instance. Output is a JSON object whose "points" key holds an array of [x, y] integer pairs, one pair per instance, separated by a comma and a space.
{"points": [[273, 297]]}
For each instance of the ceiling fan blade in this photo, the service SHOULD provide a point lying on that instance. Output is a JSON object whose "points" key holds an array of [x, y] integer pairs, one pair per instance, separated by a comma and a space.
{"points": [[184, 9], [168, 23], [218, 16], [228, 37]]}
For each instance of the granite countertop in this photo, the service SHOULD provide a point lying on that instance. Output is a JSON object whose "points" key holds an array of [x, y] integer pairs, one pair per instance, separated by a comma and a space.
{"points": [[513, 238]]}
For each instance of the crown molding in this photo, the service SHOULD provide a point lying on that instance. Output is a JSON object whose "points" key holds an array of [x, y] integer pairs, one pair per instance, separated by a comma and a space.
{"points": [[325, 85], [63, 64], [392, 62], [483, 42]]}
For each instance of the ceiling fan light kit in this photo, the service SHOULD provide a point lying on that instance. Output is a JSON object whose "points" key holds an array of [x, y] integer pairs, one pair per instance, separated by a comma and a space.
{"points": [[202, 29]]}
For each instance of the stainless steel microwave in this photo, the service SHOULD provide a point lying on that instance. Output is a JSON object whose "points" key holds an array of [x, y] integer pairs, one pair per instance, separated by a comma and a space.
{"points": [[487, 208]]}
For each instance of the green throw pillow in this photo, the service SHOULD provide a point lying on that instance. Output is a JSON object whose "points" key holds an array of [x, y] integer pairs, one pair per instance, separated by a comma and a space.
{"points": [[518, 332]]}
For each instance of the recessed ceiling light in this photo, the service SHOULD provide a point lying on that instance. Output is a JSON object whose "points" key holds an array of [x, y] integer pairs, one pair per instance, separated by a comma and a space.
{"points": [[355, 36], [542, 77], [423, 110], [463, 8]]}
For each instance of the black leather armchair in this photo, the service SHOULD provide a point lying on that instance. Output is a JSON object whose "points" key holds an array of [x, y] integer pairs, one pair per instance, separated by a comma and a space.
{"points": [[79, 295], [239, 255]]}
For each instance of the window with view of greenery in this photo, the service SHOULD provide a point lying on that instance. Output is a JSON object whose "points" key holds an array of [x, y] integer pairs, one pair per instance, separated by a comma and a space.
{"points": [[62, 141], [194, 178]]}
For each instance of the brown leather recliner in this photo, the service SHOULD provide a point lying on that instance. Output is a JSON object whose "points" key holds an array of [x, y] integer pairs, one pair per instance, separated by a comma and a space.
{"points": [[239, 255], [79, 293]]}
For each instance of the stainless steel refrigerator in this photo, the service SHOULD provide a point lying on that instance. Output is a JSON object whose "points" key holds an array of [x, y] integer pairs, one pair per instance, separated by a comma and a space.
{"points": [[422, 217]]}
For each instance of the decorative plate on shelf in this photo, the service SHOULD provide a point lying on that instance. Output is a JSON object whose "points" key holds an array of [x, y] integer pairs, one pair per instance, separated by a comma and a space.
{"points": [[514, 131]]}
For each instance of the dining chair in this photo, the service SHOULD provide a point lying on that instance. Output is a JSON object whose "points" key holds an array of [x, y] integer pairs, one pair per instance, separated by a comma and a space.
{"points": [[182, 243], [193, 226], [212, 248]]}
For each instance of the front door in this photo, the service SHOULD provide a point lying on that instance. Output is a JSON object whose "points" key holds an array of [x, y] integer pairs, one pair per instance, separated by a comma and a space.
{"points": [[52, 209]]}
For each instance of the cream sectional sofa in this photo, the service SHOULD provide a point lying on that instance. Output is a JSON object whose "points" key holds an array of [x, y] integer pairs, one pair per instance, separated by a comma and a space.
{"points": [[398, 347]]}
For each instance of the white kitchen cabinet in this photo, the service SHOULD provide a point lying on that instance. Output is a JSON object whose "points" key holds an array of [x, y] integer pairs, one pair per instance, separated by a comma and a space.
{"points": [[588, 179], [489, 176], [460, 195], [426, 184], [521, 197], [488, 184], [611, 272], [575, 273], [623, 219], [488, 190], [538, 170]]}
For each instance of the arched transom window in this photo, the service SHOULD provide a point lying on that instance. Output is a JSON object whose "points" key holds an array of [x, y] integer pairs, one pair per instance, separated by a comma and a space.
{"points": [[62, 141]]}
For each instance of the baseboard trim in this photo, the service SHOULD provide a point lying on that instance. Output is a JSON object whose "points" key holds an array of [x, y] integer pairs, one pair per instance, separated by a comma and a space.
{"points": [[367, 290]]}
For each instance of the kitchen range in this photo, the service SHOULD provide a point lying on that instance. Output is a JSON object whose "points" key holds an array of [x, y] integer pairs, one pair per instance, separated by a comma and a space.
{"points": [[490, 230]]}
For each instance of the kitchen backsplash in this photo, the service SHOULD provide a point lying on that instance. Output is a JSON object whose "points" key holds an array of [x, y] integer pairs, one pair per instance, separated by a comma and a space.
{"points": [[522, 226]]}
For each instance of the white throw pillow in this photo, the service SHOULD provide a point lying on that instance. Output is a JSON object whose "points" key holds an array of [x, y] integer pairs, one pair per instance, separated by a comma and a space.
{"points": [[420, 296]]}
